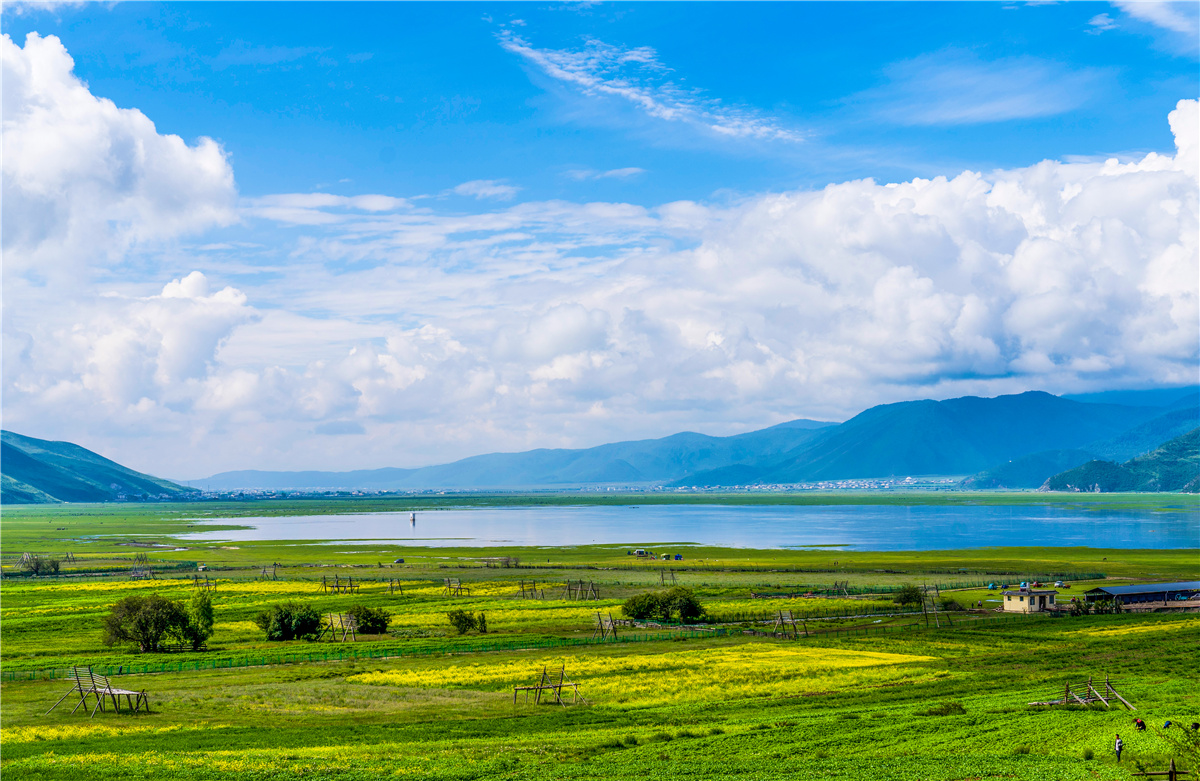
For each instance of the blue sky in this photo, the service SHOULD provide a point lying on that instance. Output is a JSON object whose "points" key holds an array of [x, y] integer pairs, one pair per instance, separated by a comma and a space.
{"points": [[400, 233], [415, 98]]}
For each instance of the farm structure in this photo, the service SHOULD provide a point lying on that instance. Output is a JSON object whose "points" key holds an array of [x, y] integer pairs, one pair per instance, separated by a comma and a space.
{"points": [[90, 683], [1149, 596], [1028, 600], [1087, 693], [339, 627], [580, 590], [455, 588], [1171, 773], [529, 590], [141, 568], [785, 625], [338, 585], [547, 684], [606, 627]]}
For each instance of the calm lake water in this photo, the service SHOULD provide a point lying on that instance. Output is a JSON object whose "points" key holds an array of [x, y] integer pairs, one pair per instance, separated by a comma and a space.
{"points": [[854, 527]]}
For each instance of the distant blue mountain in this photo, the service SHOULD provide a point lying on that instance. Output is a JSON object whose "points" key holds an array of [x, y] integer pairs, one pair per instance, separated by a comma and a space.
{"points": [[641, 462], [952, 437]]}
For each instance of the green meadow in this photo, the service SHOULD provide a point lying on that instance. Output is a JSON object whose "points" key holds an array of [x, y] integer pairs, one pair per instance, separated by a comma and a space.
{"points": [[874, 691]]}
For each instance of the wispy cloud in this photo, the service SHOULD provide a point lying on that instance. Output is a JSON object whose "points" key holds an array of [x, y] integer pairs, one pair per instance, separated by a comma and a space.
{"points": [[1180, 22], [584, 174], [636, 76], [487, 188], [1099, 23], [243, 53], [953, 87]]}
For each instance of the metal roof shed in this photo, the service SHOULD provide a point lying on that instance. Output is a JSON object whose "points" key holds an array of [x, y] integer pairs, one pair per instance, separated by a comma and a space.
{"points": [[1147, 592]]}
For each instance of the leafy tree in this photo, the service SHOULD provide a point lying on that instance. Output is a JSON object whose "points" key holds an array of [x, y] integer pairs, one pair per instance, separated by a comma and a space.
{"points": [[290, 621], [200, 620], [642, 606], [37, 564], [481, 623], [908, 595], [463, 621], [664, 605], [682, 602], [145, 621], [371, 620]]}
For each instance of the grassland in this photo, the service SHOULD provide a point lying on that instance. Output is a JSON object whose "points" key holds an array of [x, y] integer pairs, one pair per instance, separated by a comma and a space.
{"points": [[426, 703]]}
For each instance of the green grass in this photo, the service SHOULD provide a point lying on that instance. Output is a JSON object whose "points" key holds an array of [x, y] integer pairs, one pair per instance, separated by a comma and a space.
{"points": [[947, 704]]}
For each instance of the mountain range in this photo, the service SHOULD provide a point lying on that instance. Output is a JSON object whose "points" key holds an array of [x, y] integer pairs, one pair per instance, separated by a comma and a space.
{"points": [[1009, 441], [953, 437]]}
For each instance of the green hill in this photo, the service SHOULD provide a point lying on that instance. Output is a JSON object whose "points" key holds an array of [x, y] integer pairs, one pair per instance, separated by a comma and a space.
{"points": [[1034, 470], [37, 471], [1174, 466]]}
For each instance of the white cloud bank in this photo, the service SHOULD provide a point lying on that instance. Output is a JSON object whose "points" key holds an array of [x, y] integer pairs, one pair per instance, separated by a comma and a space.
{"points": [[84, 181], [406, 336]]}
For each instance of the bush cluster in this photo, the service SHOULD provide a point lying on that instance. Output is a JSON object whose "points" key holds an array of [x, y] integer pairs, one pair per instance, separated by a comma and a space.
{"points": [[370, 620], [908, 595], [148, 620], [677, 602], [945, 709], [1099, 607], [37, 564], [464, 621], [290, 621]]}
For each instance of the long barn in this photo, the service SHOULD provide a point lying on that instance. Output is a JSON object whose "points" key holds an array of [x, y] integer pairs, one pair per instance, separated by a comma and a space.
{"points": [[1180, 594]]}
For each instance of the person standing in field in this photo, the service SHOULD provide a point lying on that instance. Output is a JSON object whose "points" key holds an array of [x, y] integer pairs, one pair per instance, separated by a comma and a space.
{"points": [[1117, 746]]}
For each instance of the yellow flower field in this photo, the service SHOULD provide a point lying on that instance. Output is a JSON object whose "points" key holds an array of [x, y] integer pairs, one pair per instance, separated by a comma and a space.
{"points": [[709, 674]]}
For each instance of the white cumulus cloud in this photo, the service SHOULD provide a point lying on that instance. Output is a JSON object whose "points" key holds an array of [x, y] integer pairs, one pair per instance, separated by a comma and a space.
{"points": [[84, 180]]}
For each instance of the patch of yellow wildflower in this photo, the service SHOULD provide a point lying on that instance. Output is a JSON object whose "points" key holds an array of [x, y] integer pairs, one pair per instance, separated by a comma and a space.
{"points": [[1189, 624], [709, 674], [73, 732]]}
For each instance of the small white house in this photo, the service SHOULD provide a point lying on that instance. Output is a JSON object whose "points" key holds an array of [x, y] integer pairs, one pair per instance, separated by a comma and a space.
{"points": [[1027, 600]]}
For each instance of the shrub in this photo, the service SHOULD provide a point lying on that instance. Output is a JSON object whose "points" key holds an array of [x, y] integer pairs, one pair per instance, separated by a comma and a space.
{"points": [[1088, 754], [290, 621], [481, 623], [1024, 748], [664, 605], [680, 601], [641, 606], [945, 709], [41, 565], [145, 621], [908, 595], [199, 625], [950, 604], [371, 620], [462, 621]]}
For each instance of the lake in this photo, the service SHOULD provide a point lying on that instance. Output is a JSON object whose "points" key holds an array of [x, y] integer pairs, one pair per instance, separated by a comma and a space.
{"points": [[853, 527]]}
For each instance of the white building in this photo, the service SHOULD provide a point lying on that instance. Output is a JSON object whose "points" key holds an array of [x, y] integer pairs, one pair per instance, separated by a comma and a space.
{"points": [[1027, 600]]}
